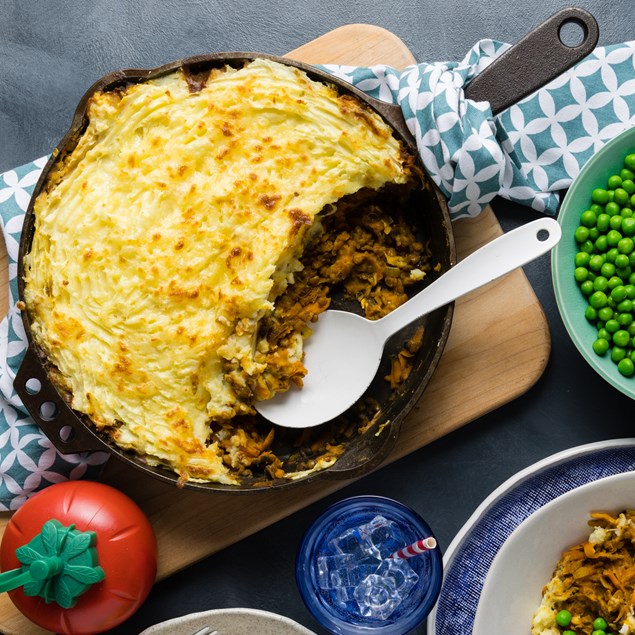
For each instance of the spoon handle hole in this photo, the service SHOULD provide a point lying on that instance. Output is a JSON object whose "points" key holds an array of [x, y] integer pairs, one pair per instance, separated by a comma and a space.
{"points": [[542, 235]]}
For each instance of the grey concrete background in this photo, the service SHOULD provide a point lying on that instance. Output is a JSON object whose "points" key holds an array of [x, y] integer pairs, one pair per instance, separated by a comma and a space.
{"points": [[50, 53]]}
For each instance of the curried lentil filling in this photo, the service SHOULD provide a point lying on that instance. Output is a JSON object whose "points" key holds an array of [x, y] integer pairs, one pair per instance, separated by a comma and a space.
{"points": [[594, 579], [368, 254]]}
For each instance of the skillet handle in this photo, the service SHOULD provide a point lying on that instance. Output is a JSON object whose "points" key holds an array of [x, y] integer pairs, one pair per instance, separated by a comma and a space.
{"points": [[524, 68], [49, 410], [533, 61]]}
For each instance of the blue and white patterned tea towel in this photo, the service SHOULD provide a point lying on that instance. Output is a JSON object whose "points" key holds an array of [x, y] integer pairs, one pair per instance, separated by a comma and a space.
{"points": [[526, 154]]}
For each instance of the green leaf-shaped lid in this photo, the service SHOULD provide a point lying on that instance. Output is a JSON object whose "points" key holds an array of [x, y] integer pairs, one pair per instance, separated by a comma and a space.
{"points": [[59, 564]]}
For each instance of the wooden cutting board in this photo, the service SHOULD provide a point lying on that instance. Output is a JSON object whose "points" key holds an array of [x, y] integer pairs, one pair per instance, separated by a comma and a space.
{"points": [[498, 348]]}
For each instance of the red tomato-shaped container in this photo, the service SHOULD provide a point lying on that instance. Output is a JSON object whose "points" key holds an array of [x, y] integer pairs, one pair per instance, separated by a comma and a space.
{"points": [[124, 543]]}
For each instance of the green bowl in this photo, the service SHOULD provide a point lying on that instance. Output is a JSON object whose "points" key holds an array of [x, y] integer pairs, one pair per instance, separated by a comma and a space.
{"points": [[571, 302]]}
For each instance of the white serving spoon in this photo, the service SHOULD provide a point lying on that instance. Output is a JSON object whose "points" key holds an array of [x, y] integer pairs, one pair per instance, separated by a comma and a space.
{"points": [[344, 351]]}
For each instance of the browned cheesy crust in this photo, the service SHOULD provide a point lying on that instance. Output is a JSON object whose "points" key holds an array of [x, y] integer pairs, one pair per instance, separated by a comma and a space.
{"points": [[165, 237]]}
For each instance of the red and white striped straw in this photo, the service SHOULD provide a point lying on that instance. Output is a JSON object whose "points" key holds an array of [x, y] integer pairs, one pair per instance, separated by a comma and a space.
{"points": [[416, 548]]}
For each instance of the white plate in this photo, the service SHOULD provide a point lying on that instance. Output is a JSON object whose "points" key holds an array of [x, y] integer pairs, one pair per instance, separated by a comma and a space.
{"points": [[470, 555], [230, 622]]}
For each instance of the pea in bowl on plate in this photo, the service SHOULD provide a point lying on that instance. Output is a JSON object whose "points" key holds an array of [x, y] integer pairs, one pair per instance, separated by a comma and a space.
{"points": [[593, 266]]}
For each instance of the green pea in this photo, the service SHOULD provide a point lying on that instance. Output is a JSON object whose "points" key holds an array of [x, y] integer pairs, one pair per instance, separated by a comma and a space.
{"points": [[598, 300], [619, 293], [622, 261], [625, 319], [587, 245], [582, 234], [624, 273], [608, 269], [587, 287], [600, 622], [629, 161], [582, 259], [600, 283], [627, 174], [629, 185], [611, 194], [618, 353], [631, 329], [588, 218], [615, 281], [628, 226], [600, 346], [615, 222], [598, 209], [598, 631], [605, 313], [604, 334], [621, 196], [612, 209], [563, 618], [625, 306], [581, 274], [594, 233], [591, 314], [631, 279], [621, 338], [626, 212], [601, 243], [600, 196], [613, 237], [626, 245], [631, 258], [603, 222], [612, 326], [626, 367], [568, 632], [614, 182], [596, 262], [630, 291]]}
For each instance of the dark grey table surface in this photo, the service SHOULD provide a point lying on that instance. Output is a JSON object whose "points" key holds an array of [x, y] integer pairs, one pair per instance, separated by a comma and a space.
{"points": [[50, 52]]}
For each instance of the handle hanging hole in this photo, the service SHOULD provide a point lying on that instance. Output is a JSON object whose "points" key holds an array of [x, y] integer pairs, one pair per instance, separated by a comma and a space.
{"points": [[542, 235], [67, 433], [572, 33], [33, 386], [48, 410]]}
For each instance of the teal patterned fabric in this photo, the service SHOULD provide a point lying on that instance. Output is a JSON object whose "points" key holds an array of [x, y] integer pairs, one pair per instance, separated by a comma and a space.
{"points": [[28, 460], [530, 152], [527, 154]]}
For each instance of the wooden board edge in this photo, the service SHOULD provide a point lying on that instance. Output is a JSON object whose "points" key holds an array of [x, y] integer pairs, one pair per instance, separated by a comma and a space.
{"points": [[371, 44]]}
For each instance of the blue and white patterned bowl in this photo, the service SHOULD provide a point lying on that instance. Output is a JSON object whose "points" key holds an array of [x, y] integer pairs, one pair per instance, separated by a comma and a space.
{"points": [[571, 302], [468, 559]]}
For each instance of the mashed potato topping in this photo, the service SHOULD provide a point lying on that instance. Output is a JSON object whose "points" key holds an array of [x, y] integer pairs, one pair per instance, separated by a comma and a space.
{"points": [[166, 235]]}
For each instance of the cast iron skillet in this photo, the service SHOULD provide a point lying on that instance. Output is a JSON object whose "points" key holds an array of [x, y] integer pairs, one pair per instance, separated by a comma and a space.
{"points": [[532, 62]]}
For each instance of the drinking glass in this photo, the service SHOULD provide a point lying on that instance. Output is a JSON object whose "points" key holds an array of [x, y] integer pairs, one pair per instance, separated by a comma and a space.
{"points": [[337, 555]]}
